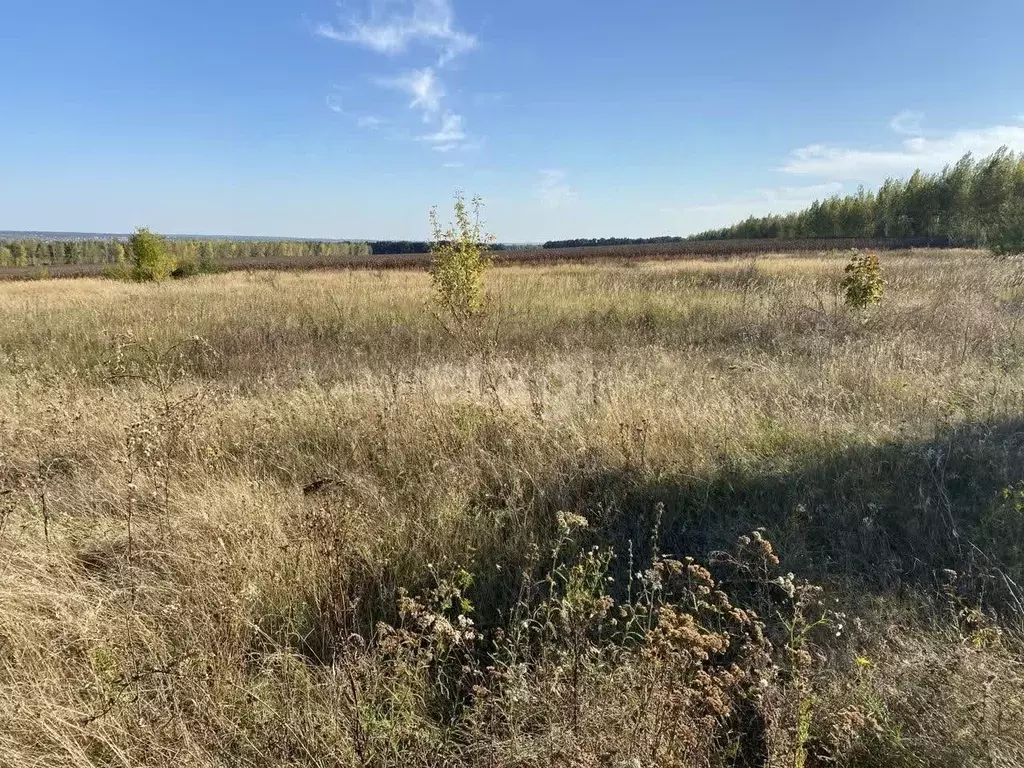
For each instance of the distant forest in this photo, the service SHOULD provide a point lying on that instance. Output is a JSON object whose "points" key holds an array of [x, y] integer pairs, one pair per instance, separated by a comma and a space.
{"points": [[970, 203], [52, 250], [393, 247], [32, 252], [588, 242]]}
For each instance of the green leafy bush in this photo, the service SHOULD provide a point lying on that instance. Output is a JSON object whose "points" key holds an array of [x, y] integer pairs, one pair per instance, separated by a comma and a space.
{"points": [[151, 257]]}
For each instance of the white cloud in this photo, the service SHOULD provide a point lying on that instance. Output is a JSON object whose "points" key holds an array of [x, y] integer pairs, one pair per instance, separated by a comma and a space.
{"points": [[554, 190], [453, 165], [907, 122], [928, 154], [392, 27], [424, 87]]}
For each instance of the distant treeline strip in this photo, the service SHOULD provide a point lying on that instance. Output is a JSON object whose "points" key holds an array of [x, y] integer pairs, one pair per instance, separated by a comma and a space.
{"points": [[686, 249], [421, 246], [603, 242], [31, 252], [44, 252]]}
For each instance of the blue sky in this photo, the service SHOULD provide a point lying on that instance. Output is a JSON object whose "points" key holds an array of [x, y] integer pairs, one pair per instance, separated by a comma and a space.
{"points": [[313, 119]]}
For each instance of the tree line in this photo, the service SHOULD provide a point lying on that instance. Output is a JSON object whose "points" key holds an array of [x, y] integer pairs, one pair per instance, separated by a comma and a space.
{"points": [[971, 203], [398, 247], [592, 242], [39, 252], [30, 252]]}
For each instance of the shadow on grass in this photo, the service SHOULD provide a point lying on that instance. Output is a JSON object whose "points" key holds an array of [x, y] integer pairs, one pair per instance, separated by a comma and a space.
{"points": [[890, 519]]}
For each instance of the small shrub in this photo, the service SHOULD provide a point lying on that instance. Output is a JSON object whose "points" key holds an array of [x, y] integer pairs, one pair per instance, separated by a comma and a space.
{"points": [[42, 273], [459, 261], [186, 267], [150, 256], [863, 285]]}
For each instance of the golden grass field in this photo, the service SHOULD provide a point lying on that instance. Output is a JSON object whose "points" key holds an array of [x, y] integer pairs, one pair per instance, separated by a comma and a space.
{"points": [[239, 516]]}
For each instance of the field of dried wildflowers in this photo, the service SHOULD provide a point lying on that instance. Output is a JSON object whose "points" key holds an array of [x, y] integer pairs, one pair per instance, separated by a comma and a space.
{"points": [[287, 519]]}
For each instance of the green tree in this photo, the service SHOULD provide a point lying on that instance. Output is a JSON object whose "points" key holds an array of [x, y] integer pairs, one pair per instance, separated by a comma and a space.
{"points": [[151, 257], [206, 259], [1007, 237], [6, 257], [115, 252], [19, 255], [72, 252], [992, 189]]}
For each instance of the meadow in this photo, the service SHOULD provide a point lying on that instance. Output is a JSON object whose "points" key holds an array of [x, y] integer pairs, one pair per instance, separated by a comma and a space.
{"points": [[681, 513]]}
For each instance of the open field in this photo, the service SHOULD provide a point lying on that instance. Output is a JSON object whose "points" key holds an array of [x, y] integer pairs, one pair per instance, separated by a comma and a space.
{"points": [[289, 520], [582, 254]]}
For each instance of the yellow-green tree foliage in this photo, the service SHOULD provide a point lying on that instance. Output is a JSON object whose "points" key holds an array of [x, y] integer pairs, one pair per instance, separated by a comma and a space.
{"points": [[459, 260], [151, 258], [863, 284]]}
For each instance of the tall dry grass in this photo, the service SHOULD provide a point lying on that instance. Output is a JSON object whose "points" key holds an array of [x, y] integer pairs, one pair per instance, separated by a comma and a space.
{"points": [[214, 495]]}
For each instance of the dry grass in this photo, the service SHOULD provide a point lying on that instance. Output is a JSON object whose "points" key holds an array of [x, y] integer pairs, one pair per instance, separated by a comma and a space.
{"points": [[211, 493]]}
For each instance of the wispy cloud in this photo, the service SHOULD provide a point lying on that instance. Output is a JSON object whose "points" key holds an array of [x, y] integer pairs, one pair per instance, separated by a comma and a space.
{"points": [[450, 132], [363, 121], [761, 202], [553, 189], [427, 96], [392, 28], [928, 154], [453, 165], [424, 87], [907, 122]]}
